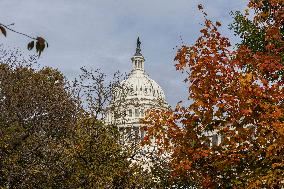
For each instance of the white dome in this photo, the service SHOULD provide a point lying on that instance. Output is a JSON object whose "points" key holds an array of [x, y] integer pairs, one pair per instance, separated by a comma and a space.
{"points": [[140, 85], [133, 96]]}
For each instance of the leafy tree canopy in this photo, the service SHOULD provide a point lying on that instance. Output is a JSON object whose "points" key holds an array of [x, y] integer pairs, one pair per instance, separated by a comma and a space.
{"points": [[236, 94]]}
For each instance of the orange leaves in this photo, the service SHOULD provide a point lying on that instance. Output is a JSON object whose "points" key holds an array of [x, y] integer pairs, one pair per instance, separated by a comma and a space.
{"points": [[237, 95], [246, 79], [273, 33], [181, 57], [186, 164], [208, 23], [221, 105], [246, 112], [204, 31], [199, 103], [205, 153], [206, 95], [264, 82], [279, 127]]}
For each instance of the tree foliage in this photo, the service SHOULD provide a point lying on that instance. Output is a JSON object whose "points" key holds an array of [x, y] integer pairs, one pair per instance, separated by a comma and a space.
{"points": [[237, 94], [37, 114], [48, 139]]}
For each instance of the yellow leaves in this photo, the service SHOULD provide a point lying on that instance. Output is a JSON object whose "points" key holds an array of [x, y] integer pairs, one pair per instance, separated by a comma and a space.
{"points": [[249, 101], [278, 165], [246, 79]]}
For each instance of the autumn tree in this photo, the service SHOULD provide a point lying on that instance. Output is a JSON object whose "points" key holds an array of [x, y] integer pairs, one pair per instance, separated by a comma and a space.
{"points": [[52, 133], [237, 94], [37, 115]]}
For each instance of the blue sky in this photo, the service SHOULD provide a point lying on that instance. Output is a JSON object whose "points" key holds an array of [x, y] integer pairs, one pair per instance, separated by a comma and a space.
{"points": [[102, 33]]}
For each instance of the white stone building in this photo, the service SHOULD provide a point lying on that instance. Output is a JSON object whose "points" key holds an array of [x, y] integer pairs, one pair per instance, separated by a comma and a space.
{"points": [[133, 97]]}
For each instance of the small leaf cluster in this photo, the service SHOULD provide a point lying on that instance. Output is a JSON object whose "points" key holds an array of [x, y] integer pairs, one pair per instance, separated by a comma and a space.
{"points": [[39, 42]]}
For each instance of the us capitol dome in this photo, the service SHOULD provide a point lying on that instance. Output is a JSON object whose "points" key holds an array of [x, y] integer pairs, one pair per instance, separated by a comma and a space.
{"points": [[132, 97]]}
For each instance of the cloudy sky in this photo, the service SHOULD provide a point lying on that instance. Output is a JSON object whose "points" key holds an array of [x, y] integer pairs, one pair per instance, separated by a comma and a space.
{"points": [[102, 33]]}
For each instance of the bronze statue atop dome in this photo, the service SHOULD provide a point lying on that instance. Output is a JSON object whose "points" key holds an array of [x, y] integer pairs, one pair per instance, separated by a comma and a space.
{"points": [[138, 48]]}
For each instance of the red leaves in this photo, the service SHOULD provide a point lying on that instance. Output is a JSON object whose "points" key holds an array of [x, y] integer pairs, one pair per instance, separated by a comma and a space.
{"points": [[273, 33]]}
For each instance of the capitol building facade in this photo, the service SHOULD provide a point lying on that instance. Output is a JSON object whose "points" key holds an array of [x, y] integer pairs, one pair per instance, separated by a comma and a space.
{"points": [[132, 98]]}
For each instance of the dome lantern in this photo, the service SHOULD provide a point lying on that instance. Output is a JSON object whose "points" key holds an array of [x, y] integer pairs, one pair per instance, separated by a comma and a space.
{"points": [[138, 59]]}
